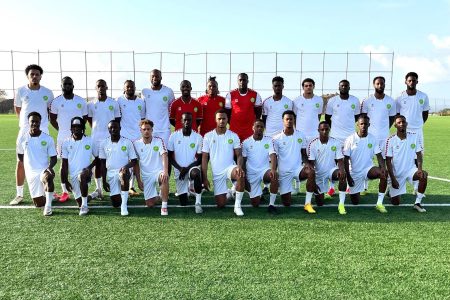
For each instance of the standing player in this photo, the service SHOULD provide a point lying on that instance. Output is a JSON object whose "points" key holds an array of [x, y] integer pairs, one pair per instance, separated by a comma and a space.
{"points": [[185, 154], [117, 156], [257, 151], [414, 105], [211, 102], [290, 147], [29, 98], [34, 148], [185, 104], [63, 109], [77, 153], [359, 149], [158, 99], [401, 149], [101, 111], [221, 145], [274, 107], [132, 111], [153, 166], [243, 107], [324, 152]]}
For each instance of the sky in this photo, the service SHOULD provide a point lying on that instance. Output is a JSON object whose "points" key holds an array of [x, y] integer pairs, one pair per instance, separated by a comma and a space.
{"points": [[417, 32]]}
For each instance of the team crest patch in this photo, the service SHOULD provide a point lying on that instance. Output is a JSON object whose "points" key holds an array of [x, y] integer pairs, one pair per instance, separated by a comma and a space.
{"points": [[370, 145], [124, 148], [139, 107], [286, 106], [333, 148], [266, 146], [413, 146], [45, 98], [156, 148], [230, 141], [317, 105], [111, 107], [165, 98], [299, 140], [421, 101], [192, 145], [195, 109], [87, 147], [388, 106], [353, 106], [44, 143], [220, 104], [79, 105], [252, 100]]}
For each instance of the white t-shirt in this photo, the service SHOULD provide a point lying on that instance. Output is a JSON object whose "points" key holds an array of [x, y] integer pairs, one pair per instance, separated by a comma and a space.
{"points": [[288, 149], [307, 111], [150, 155], [78, 153], [117, 154], [324, 155], [221, 149], [33, 100], [131, 111], [66, 109], [157, 104], [257, 154], [361, 151], [412, 107], [36, 151], [379, 112], [101, 113], [184, 147], [343, 114], [403, 152], [274, 111]]}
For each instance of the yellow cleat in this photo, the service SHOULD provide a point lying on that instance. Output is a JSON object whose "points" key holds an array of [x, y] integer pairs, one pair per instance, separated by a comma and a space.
{"points": [[309, 209], [381, 208], [341, 209], [363, 193]]}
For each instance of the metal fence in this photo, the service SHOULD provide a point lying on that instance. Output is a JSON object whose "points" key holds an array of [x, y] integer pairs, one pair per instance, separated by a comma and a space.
{"points": [[86, 67]]}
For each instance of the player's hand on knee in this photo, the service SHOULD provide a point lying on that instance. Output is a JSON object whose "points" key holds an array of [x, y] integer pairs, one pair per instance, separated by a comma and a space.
{"points": [[206, 184], [69, 186], [395, 183], [140, 185], [164, 177], [350, 181], [106, 187], [273, 175], [239, 172]]}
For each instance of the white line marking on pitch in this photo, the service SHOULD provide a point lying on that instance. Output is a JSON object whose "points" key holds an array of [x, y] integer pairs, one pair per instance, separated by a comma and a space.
{"points": [[441, 179], [7, 149]]}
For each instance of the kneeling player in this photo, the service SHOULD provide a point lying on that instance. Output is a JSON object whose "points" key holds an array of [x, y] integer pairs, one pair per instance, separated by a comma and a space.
{"points": [[76, 163], [257, 150], [290, 146], [359, 149], [401, 149], [117, 156], [34, 149], [323, 153], [152, 167]]}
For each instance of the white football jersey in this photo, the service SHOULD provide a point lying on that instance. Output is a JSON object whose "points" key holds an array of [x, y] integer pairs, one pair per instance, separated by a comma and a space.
{"points": [[66, 109], [33, 100], [157, 104], [361, 151], [185, 148], [343, 114], [221, 149], [403, 152], [78, 154], [117, 154], [274, 111], [36, 151], [324, 155], [379, 111], [101, 113], [257, 154], [150, 155], [132, 112], [412, 107], [288, 149], [307, 111]]}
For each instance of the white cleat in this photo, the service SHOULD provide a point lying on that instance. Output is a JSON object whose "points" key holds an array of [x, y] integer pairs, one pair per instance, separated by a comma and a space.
{"points": [[238, 211], [84, 210], [47, 211], [164, 212], [17, 200], [198, 209], [124, 211]]}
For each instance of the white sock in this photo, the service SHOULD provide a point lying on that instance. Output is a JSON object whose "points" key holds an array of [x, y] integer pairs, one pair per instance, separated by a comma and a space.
{"points": [[84, 201], [132, 181], [416, 185], [296, 184], [266, 185], [238, 201], [272, 199], [64, 189], [19, 190], [99, 184], [198, 198], [164, 204], [124, 196], [419, 198], [233, 188], [380, 198], [308, 197], [48, 199], [342, 197]]}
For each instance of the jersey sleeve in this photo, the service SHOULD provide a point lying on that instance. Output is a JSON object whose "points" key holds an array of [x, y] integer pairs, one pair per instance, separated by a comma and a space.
{"points": [[347, 146], [329, 109], [265, 107], [19, 146], [357, 109], [398, 105], [18, 99], [199, 144], [51, 149], [275, 146], [258, 100], [143, 110], [389, 148], [51, 97], [271, 147], [205, 144], [339, 153], [311, 151], [117, 113], [65, 149], [84, 108], [419, 143], [200, 110], [377, 149], [131, 152], [244, 149], [364, 108], [101, 150], [228, 101], [393, 109], [304, 144], [170, 146], [90, 109], [173, 110], [162, 148], [54, 108], [426, 104], [171, 96], [236, 142]]}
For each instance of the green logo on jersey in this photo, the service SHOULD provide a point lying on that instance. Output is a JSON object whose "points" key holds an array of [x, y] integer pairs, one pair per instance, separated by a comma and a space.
{"points": [[353, 106], [44, 143], [388, 106], [195, 109], [369, 145], [192, 145], [156, 148], [124, 148], [139, 107], [421, 101], [333, 148], [299, 140], [220, 104], [266, 146], [165, 98], [230, 141], [111, 107], [286, 106], [45, 98], [252, 100], [413, 146], [87, 147], [317, 105], [79, 105]]}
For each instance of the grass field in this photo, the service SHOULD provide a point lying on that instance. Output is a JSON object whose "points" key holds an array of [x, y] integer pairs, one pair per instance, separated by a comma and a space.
{"points": [[363, 255]]}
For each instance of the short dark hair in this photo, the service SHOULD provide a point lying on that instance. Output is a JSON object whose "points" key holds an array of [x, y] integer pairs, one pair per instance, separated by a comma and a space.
{"points": [[411, 74], [399, 116], [82, 123], [114, 121], [220, 111], [243, 74], [34, 114], [33, 67], [308, 80], [364, 117], [259, 120], [212, 78], [101, 80], [288, 112], [146, 122], [128, 81], [66, 77], [323, 122], [379, 77], [344, 80], [278, 78]]}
